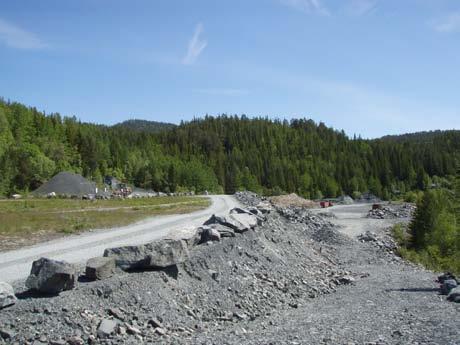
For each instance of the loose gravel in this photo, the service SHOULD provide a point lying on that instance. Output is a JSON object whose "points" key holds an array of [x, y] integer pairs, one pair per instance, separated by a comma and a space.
{"points": [[293, 280]]}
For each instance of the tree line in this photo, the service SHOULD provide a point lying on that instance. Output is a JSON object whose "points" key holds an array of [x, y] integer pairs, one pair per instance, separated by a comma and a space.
{"points": [[220, 154]]}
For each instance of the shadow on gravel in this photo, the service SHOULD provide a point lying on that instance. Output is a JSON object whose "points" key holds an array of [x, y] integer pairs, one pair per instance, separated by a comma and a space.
{"points": [[415, 290], [84, 279], [28, 294], [171, 271]]}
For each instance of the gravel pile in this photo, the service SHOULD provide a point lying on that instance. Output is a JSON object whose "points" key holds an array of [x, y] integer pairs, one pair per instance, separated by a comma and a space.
{"points": [[67, 184], [233, 281], [292, 200], [392, 211]]}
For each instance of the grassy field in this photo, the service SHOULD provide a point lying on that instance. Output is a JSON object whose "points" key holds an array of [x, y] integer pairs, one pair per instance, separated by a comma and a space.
{"points": [[47, 217]]}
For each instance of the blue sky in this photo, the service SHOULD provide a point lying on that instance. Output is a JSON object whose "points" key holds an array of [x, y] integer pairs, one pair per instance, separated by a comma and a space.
{"points": [[370, 67]]}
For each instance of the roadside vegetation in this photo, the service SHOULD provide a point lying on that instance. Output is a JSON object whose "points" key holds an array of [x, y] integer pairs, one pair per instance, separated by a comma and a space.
{"points": [[433, 237], [49, 217]]}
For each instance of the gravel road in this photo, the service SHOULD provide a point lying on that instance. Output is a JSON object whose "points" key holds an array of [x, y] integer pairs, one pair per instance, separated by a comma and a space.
{"points": [[352, 219], [15, 265]]}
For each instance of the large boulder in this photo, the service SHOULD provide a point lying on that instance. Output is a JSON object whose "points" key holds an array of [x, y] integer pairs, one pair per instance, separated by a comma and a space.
{"points": [[223, 230], [100, 268], [239, 222], [248, 220], [252, 211], [7, 296], [209, 234], [448, 285], [194, 239], [454, 295], [158, 254], [51, 277]]}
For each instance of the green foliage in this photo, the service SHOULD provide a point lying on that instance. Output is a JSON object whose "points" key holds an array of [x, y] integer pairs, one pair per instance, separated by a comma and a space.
{"points": [[413, 196], [434, 233], [401, 235], [226, 153]]}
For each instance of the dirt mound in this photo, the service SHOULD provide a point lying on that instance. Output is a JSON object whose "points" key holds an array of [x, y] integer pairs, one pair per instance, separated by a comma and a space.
{"points": [[292, 200], [67, 183]]}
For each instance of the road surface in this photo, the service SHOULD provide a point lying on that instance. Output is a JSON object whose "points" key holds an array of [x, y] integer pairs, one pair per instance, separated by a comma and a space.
{"points": [[352, 219], [16, 264]]}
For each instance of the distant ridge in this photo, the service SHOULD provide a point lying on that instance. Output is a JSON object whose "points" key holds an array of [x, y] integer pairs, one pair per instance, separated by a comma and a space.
{"points": [[418, 137], [145, 126]]}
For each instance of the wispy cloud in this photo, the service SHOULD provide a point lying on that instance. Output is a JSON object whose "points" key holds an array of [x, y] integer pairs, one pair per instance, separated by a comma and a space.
{"points": [[360, 7], [307, 6], [15, 37], [196, 46], [222, 92], [448, 24]]}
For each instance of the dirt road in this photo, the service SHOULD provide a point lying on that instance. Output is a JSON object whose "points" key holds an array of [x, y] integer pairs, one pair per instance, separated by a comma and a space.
{"points": [[16, 264]]}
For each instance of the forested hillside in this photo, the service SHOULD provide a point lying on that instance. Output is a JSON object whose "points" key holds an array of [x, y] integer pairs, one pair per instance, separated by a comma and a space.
{"points": [[225, 153], [145, 126]]}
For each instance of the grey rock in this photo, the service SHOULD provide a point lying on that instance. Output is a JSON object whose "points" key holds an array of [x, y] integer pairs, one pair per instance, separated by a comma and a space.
{"points": [[454, 295], [132, 330], [224, 231], [155, 322], [158, 254], [247, 220], [7, 297], [75, 340], [51, 277], [100, 268], [106, 328], [117, 313], [6, 334], [239, 222], [447, 286], [195, 239], [209, 234], [253, 212], [58, 342]]}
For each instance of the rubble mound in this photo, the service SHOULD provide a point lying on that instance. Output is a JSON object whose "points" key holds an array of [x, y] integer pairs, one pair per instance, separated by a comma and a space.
{"points": [[279, 264], [249, 198], [67, 183], [292, 200], [392, 211]]}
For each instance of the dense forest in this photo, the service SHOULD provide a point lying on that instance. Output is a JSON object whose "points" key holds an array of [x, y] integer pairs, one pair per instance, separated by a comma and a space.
{"points": [[145, 126], [220, 154]]}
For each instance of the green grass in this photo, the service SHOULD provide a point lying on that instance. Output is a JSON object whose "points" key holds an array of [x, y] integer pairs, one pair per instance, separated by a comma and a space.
{"points": [[26, 217], [430, 257]]}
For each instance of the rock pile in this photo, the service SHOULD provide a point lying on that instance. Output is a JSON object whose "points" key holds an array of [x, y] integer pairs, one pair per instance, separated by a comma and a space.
{"points": [[233, 270], [384, 242], [392, 211], [292, 200]]}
